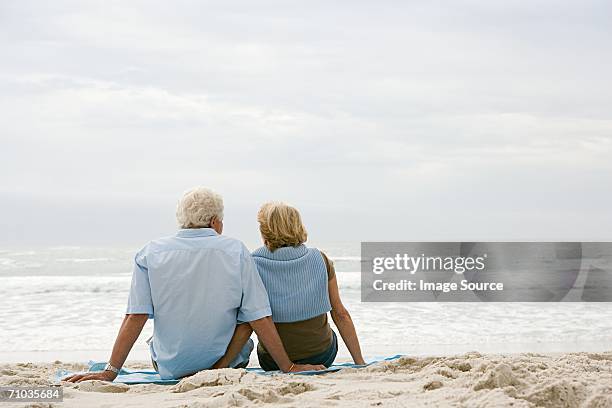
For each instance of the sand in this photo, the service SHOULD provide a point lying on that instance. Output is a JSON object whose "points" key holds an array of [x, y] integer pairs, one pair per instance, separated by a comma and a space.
{"points": [[468, 380]]}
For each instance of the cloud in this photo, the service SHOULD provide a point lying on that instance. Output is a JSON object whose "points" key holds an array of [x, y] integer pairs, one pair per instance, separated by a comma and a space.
{"points": [[363, 116]]}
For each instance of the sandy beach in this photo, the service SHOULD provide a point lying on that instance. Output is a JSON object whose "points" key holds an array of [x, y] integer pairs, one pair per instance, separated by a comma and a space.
{"points": [[470, 380]]}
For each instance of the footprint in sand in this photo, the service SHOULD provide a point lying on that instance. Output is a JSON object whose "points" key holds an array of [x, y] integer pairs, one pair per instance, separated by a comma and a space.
{"points": [[102, 386]]}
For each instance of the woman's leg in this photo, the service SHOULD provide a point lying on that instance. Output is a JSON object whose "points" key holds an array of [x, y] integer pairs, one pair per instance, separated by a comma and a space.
{"points": [[333, 351], [266, 362], [327, 357]]}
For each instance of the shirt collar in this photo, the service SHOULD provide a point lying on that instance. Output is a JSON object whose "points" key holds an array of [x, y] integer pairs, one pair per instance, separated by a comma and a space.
{"points": [[196, 232]]}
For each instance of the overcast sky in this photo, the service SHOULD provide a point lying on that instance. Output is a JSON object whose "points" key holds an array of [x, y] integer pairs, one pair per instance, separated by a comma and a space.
{"points": [[385, 120]]}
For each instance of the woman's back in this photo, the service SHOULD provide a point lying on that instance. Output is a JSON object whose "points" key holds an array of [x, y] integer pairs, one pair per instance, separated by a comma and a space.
{"points": [[296, 279]]}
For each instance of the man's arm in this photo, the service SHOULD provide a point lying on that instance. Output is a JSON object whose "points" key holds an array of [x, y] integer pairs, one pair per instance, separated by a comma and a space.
{"points": [[128, 334], [267, 334], [242, 332]]}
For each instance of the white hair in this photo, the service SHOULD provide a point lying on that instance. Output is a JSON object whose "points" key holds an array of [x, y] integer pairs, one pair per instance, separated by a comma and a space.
{"points": [[198, 207]]}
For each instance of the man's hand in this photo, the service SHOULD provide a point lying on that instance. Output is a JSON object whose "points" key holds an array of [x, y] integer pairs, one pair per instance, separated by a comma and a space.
{"points": [[306, 367], [102, 376], [128, 333]]}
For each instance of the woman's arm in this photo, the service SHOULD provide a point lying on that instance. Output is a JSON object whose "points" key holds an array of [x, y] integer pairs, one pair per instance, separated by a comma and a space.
{"points": [[344, 323], [242, 332]]}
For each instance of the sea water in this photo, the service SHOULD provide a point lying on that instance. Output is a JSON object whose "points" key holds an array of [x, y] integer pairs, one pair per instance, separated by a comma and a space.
{"points": [[67, 303]]}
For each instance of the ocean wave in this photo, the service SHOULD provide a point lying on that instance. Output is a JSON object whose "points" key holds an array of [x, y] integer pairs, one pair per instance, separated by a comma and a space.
{"points": [[21, 253], [84, 260], [346, 258], [8, 263], [97, 289]]}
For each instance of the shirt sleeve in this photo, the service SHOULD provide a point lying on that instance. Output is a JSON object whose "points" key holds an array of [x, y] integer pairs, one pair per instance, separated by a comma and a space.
{"points": [[255, 304], [139, 301]]}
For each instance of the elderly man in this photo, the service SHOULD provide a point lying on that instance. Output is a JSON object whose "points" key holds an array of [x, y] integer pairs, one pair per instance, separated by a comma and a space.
{"points": [[201, 289]]}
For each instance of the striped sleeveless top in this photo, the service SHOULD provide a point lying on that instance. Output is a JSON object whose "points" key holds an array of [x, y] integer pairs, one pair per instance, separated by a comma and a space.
{"points": [[296, 281]]}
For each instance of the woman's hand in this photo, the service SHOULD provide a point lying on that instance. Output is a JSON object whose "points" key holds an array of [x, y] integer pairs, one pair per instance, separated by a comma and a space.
{"points": [[102, 376]]}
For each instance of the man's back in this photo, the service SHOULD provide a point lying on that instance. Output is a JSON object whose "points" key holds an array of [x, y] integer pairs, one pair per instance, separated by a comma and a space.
{"points": [[196, 285]]}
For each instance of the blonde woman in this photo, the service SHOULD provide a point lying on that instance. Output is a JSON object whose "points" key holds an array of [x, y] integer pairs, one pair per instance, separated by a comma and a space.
{"points": [[302, 288]]}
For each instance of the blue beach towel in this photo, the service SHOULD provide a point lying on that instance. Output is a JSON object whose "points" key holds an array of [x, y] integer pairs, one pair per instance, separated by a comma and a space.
{"points": [[131, 377]]}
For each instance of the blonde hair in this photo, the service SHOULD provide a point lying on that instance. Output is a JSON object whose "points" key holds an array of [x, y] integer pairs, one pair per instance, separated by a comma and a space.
{"points": [[198, 207], [281, 226]]}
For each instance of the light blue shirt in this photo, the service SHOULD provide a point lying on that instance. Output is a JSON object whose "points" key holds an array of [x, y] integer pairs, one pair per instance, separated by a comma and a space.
{"points": [[196, 285]]}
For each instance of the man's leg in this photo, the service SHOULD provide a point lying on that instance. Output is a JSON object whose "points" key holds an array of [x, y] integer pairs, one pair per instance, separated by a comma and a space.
{"points": [[242, 360], [239, 346]]}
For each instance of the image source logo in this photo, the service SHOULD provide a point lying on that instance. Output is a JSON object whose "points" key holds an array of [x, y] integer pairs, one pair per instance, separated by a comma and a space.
{"points": [[486, 271]]}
